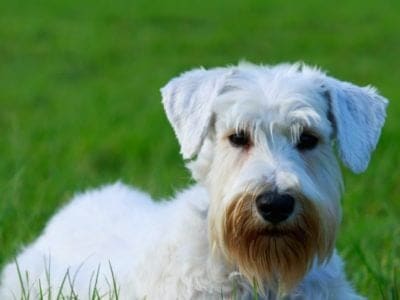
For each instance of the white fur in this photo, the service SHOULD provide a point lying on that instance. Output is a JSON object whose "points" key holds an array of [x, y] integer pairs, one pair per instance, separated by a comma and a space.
{"points": [[168, 250]]}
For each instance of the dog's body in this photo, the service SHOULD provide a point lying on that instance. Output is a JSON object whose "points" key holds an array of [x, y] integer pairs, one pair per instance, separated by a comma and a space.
{"points": [[263, 217], [179, 266]]}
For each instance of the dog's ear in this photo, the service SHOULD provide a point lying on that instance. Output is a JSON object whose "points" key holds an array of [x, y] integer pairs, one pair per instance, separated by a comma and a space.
{"points": [[187, 101], [358, 115]]}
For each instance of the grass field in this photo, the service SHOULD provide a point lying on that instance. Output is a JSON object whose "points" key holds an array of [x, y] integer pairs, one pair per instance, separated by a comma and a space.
{"points": [[80, 103]]}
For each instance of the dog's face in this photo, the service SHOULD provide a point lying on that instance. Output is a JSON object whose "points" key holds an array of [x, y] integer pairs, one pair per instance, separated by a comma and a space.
{"points": [[264, 140], [273, 177]]}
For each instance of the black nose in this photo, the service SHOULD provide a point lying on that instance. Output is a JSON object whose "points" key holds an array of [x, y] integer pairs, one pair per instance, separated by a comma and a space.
{"points": [[275, 207]]}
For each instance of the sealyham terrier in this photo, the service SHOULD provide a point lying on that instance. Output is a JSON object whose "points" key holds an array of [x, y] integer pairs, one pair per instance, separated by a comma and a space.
{"points": [[262, 220]]}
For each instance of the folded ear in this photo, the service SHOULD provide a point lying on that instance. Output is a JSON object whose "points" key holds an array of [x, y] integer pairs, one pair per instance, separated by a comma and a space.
{"points": [[359, 114], [187, 101]]}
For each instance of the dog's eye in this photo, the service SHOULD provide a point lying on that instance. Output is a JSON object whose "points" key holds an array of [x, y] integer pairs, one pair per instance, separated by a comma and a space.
{"points": [[307, 141], [239, 139]]}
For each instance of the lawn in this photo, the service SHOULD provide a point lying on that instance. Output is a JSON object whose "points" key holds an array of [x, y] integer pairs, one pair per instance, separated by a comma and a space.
{"points": [[80, 103]]}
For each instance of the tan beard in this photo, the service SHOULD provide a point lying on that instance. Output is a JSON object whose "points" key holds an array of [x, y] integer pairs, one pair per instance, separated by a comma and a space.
{"points": [[279, 256]]}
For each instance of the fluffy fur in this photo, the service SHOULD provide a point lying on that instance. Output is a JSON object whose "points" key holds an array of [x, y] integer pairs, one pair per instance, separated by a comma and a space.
{"points": [[210, 242]]}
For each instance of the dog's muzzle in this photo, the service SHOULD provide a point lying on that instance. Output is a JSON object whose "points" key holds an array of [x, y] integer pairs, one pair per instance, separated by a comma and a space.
{"points": [[275, 207]]}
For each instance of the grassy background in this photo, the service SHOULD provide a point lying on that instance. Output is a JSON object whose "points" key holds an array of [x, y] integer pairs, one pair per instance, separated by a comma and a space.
{"points": [[80, 103]]}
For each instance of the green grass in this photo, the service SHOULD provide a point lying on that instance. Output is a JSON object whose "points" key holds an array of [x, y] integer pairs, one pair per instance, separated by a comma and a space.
{"points": [[80, 103], [66, 290]]}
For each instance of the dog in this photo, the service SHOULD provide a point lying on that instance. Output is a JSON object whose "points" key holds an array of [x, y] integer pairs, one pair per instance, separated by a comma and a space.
{"points": [[262, 220]]}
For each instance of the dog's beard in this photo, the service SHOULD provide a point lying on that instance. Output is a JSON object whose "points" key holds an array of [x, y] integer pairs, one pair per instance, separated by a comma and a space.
{"points": [[279, 255]]}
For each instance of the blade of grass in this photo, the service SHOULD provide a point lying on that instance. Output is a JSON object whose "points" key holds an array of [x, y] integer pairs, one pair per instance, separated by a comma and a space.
{"points": [[40, 290], [48, 276], [95, 292], [59, 294], [21, 281], [115, 289]]}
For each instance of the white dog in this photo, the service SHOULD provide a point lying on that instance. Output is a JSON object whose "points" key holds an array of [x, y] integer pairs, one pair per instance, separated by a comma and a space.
{"points": [[263, 217]]}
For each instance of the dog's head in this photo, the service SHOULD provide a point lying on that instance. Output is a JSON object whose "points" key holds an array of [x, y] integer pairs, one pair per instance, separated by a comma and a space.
{"points": [[262, 141]]}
